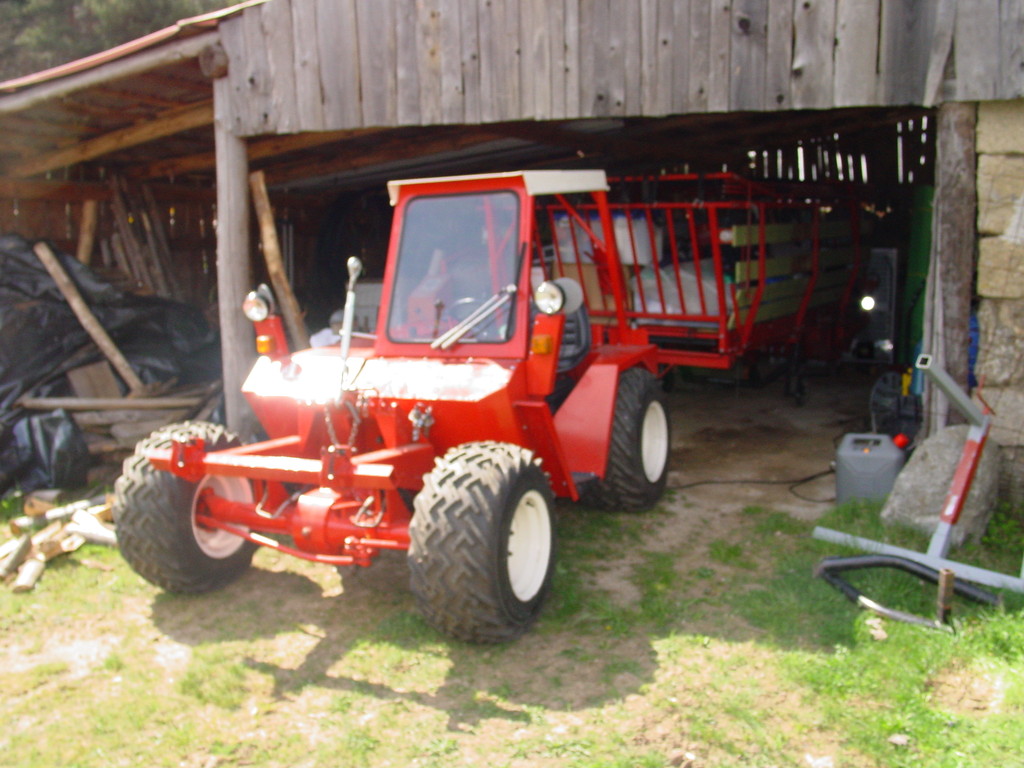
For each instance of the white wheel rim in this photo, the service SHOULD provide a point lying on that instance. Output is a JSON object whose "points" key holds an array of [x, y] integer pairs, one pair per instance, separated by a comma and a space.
{"points": [[529, 546], [654, 441], [213, 542]]}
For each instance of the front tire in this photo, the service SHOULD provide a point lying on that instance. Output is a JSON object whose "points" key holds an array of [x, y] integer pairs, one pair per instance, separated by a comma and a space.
{"points": [[482, 544], [155, 516], [638, 454]]}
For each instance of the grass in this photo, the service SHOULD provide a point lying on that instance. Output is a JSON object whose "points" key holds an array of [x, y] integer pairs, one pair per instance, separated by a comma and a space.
{"points": [[716, 649]]}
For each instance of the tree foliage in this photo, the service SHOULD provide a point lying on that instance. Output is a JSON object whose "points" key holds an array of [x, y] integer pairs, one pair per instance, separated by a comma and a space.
{"points": [[44, 33]]}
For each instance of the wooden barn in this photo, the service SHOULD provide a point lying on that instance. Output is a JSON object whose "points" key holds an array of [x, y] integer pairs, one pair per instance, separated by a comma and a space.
{"points": [[138, 159]]}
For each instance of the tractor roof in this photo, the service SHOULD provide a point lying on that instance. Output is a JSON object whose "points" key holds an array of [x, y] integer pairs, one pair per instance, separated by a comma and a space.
{"points": [[536, 182]]}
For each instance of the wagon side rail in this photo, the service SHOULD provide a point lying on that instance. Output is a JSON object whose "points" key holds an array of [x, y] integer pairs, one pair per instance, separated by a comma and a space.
{"points": [[708, 281]]}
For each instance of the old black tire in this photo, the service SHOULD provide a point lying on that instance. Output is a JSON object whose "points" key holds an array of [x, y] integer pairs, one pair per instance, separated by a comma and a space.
{"points": [[482, 542], [154, 514], [638, 454]]}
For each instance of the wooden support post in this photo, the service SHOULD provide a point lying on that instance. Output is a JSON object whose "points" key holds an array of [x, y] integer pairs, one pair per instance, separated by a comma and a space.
{"points": [[954, 242], [87, 230], [88, 319], [275, 264], [234, 274]]}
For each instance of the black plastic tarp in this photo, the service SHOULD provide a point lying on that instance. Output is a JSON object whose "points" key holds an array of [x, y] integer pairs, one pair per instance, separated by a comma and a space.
{"points": [[41, 339]]}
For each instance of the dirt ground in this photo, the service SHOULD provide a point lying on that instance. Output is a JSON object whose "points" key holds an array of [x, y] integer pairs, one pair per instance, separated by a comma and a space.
{"points": [[727, 433]]}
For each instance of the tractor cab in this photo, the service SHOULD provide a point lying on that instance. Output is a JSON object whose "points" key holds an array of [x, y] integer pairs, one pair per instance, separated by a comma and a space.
{"points": [[466, 266]]}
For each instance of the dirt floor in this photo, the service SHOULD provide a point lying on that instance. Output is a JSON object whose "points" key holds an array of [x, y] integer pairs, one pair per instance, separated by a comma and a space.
{"points": [[724, 433]]}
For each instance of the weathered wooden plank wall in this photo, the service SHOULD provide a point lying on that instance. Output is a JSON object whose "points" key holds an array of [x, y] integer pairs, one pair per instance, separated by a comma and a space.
{"points": [[310, 65]]}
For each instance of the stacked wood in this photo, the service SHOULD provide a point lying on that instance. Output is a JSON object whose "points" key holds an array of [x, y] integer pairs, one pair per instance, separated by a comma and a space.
{"points": [[45, 533], [96, 389], [114, 423], [140, 247]]}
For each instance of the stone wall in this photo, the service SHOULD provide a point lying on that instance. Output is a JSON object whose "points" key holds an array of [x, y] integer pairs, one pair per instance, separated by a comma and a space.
{"points": [[1000, 368]]}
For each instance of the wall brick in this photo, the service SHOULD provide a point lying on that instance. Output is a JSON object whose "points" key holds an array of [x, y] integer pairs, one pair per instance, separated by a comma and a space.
{"points": [[999, 127], [1000, 268], [1001, 342], [1001, 195], [1007, 404]]}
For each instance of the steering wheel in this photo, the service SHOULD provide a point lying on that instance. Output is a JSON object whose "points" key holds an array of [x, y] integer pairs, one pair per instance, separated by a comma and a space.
{"points": [[462, 308], [488, 329]]}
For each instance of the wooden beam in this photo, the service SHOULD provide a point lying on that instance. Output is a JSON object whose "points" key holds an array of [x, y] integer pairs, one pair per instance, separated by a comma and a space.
{"points": [[941, 50], [166, 124], [70, 191], [164, 55], [87, 230], [234, 271], [88, 319], [393, 146], [261, 149], [275, 265], [953, 243], [615, 144]]}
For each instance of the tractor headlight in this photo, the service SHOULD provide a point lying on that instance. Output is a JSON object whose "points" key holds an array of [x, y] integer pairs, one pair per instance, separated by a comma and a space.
{"points": [[255, 307], [258, 304], [867, 303], [561, 295], [549, 297]]}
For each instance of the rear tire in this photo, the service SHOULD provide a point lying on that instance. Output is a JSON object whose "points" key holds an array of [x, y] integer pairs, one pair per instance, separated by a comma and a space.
{"points": [[155, 516], [638, 454], [482, 542]]}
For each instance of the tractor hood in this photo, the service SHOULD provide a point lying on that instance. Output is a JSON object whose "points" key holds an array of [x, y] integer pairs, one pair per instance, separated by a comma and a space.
{"points": [[314, 377]]}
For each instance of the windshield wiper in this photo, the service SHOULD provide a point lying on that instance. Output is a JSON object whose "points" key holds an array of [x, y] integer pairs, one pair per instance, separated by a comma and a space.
{"points": [[447, 339]]}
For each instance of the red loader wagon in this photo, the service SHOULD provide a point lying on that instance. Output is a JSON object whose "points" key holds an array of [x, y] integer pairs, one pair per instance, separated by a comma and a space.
{"points": [[516, 359], [718, 270]]}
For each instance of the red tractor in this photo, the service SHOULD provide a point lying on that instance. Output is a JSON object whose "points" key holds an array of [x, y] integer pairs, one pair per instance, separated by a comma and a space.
{"points": [[485, 393]]}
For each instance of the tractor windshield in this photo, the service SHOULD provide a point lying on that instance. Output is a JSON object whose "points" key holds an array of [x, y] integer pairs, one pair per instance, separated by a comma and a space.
{"points": [[456, 252]]}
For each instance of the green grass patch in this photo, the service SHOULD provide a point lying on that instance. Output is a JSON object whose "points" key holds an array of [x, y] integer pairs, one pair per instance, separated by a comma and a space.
{"points": [[768, 522], [646, 652], [729, 553], [215, 676], [658, 579]]}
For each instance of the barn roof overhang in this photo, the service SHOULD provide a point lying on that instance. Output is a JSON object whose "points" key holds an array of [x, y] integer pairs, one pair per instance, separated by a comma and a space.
{"points": [[145, 110]]}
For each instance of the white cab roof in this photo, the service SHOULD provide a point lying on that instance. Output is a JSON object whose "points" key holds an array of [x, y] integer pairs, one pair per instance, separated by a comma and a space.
{"points": [[536, 182]]}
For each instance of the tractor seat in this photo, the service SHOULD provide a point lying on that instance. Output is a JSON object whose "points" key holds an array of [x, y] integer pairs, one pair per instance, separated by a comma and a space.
{"points": [[576, 339], [575, 346]]}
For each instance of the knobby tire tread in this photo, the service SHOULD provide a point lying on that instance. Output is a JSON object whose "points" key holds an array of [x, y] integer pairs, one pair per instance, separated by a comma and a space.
{"points": [[454, 567], [625, 486], [152, 510]]}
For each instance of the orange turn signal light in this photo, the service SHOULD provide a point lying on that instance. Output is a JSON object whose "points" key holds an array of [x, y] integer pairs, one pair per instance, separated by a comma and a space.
{"points": [[542, 344], [265, 345]]}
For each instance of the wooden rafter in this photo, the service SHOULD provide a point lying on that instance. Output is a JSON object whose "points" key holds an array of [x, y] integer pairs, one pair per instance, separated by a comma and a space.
{"points": [[557, 135], [392, 147], [137, 95], [260, 149], [166, 124]]}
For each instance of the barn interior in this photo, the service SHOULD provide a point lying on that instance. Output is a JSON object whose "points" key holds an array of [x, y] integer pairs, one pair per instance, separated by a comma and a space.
{"points": [[121, 172]]}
